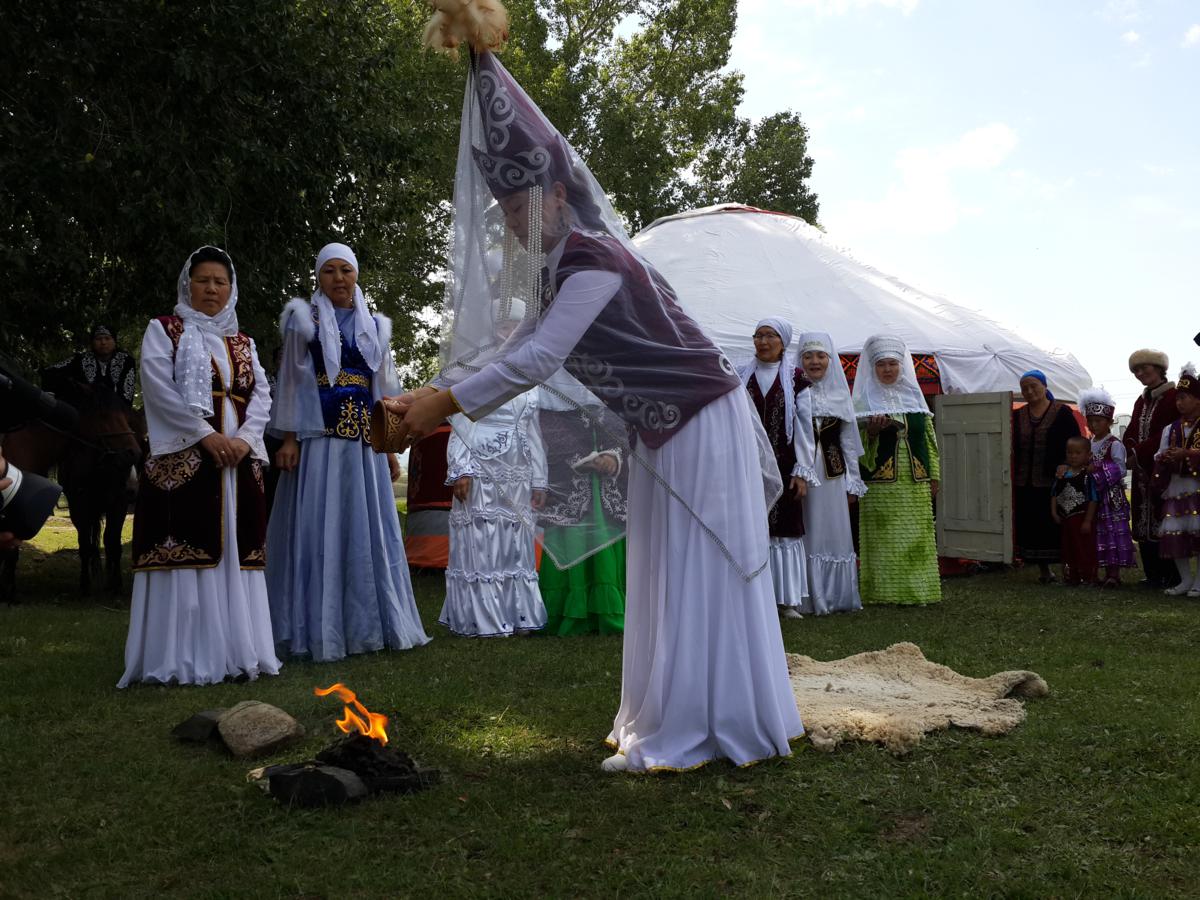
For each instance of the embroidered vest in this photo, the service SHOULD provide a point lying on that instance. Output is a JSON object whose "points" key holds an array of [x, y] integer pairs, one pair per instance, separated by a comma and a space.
{"points": [[828, 432], [648, 394], [346, 403], [178, 520], [914, 432], [786, 517]]}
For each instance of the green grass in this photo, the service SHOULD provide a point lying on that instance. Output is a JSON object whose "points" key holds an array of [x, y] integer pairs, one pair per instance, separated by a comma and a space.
{"points": [[1095, 793]]}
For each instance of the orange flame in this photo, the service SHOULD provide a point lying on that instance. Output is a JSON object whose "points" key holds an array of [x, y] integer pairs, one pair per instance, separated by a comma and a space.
{"points": [[357, 717]]}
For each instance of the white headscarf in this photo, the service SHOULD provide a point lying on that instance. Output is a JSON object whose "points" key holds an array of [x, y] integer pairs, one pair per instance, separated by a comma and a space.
{"points": [[871, 398], [365, 330], [193, 359], [831, 394], [787, 367]]}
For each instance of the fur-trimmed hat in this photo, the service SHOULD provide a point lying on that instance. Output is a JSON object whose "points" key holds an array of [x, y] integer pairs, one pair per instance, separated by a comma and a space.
{"points": [[1096, 401], [1188, 383], [1153, 357]]}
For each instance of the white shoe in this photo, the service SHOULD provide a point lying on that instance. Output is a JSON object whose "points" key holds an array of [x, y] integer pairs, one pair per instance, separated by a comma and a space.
{"points": [[1178, 591], [789, 612], [618, 762], [1194, 593]]}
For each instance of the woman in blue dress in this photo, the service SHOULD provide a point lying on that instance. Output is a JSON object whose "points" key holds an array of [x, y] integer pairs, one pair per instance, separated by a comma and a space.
{"points": [[336, 571]]}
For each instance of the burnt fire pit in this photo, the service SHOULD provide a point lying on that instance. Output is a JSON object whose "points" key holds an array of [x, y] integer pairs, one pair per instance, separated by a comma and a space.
{"points": [[355, 767]]}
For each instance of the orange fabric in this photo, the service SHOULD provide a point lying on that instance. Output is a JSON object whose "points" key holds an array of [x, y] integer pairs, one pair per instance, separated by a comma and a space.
{"points": [[428, 551]]}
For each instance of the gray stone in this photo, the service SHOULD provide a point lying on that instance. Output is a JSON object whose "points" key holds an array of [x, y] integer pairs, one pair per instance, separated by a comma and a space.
{"points": [[254, 728], [200, 728]]}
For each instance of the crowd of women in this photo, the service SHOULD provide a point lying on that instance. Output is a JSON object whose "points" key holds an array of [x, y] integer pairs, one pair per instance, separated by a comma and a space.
{"points": [[1069, 488], [556, 322]]}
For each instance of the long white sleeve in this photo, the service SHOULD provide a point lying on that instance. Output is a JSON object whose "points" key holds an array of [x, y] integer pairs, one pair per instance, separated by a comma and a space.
{"points": [[804, 443], [297, 406], [172, 426], [850, 442], [458, 455], [258, 411], [537, 448], [582, 297], [1118, 455]]}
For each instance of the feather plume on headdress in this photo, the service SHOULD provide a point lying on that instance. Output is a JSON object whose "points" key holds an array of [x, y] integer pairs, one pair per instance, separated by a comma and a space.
{"points": [[480, 24]]}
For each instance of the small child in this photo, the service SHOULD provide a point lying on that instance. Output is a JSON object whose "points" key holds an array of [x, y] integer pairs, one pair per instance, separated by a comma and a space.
{"points": [[1073, 502], [1177, 476], [1114, 542]]}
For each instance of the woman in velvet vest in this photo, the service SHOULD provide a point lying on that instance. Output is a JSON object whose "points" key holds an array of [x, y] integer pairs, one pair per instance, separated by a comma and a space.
{"points": [[779, 392], [336, 568], [1040, 431], [199, 612], [1153, 411], [900, 465]]}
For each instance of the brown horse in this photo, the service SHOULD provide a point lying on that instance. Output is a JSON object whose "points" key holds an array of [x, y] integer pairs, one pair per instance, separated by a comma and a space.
{"points": [[93, 469]]}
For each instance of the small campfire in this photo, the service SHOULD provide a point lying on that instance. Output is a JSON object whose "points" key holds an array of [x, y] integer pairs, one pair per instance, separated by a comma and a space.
{"points": [[352, 768]]}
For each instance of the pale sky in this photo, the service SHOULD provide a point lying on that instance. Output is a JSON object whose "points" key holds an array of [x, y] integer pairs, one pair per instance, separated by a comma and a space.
{"points": [[1035, 159]]}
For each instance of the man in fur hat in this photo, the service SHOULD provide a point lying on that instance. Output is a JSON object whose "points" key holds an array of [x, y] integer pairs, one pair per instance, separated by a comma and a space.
{"points": [[1152, 412]]}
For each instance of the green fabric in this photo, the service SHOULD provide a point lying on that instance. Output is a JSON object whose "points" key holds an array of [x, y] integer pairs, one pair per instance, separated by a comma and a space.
{"points": [[897, 546], [920, 450], [588, 597]]}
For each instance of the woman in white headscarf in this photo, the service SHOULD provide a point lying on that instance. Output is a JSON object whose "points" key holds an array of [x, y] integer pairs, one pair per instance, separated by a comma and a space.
{"points": [[832, 563], [199, 611], [337, 572], [779, 392], [496, 467], [900, 465]]}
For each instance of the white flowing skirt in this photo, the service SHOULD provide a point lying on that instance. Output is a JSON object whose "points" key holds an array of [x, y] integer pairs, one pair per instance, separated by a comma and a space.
{"points": [[703, 674], [201, 626], [832, 563], [789, 571], [492, 581]]}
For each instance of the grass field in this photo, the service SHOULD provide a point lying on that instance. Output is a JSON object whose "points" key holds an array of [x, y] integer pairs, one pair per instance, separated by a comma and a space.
{"points": [[1095, 794]]}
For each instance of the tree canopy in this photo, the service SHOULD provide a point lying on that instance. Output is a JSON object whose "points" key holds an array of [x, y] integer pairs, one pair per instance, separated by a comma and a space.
{"points": [[133, 131]]}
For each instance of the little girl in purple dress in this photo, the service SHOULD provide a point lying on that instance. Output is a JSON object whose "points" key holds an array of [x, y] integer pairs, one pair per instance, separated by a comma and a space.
{"points": [[1114, 541]]}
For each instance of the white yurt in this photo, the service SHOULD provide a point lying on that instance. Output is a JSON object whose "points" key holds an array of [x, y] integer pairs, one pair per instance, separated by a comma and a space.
{"points": [[734, 265]]}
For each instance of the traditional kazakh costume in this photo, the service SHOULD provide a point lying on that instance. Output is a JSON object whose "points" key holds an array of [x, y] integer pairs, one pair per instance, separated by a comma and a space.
{"points": [[492, 579], [1153, 412], [118, 373], [589, 596], [1178, 483], [896, 539], [829, 542], [199, 611], [1114, 544], [336, 568], [703, 674], [779, 392]]}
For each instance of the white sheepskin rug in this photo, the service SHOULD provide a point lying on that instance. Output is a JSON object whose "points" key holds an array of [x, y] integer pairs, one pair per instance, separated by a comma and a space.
{"points": [[895, 696]]}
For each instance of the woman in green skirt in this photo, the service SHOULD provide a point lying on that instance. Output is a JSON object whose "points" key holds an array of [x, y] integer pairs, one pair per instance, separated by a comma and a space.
{"points": [[584, 508], [900, 465]]}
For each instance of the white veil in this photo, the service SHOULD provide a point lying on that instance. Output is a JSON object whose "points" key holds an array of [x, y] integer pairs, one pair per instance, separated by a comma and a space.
{"points": [[871, 396]]}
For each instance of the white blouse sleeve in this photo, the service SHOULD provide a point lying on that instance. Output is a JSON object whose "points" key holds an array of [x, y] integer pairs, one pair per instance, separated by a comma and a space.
{"points": [[851, 446], [804, 443], [258, 411], [172, 426], [297, 406], [582, 297], [458, 455], [1118, 455], [537, 448]]}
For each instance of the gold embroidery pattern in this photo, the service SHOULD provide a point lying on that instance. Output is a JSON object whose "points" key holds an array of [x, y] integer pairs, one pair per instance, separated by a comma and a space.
{"points": [[174, 469], [171, 552], [256, 468], [354, 421], [920, 473], [344, 379], [243, 362], [886, 472], [257, 555]]}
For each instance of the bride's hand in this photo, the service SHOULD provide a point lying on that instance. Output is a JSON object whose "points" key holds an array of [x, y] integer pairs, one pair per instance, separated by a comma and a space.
{"points": [[423, 414], [400, 404]]}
